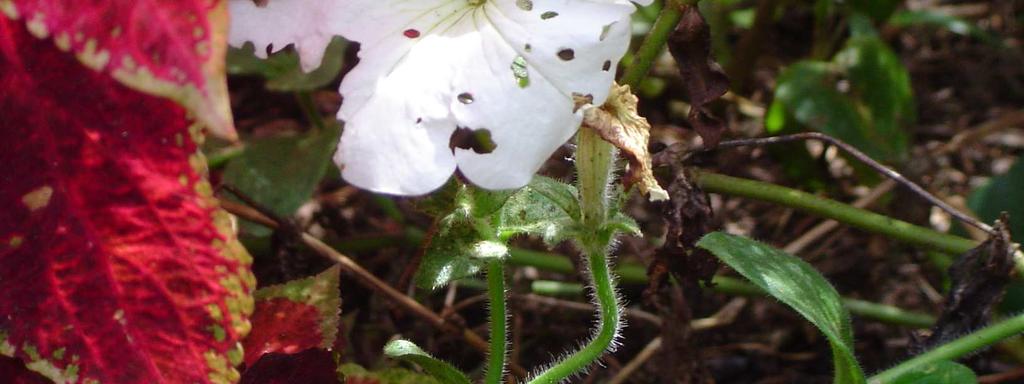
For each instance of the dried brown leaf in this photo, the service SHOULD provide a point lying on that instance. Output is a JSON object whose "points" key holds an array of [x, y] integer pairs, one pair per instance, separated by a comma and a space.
{"points": [[690, 45]]}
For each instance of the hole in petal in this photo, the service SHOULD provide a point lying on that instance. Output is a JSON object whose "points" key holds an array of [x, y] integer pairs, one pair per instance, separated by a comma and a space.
{"points": [[528, 48], [604, 31], [476, 140], [466, 98], [419, 120], [520, 71], [548, 15], [607, 65], [411, 33], [525, 5], [566, 54]]}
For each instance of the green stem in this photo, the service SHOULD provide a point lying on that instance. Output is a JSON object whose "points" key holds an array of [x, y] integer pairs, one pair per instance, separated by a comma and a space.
{"points": [[856, 217], [595, 163], [305, 100], [635, 274], [595, 167], [499, 335], [955, 349], [651, 48], [608, 317]]}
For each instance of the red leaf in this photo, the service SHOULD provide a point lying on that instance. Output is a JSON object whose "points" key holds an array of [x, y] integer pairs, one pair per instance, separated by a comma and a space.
{"points": [[312, 366], [117, 265], [169, 48], [296, 316]]}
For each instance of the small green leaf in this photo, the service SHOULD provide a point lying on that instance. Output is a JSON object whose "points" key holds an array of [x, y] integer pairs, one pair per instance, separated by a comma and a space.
{"points": [[532, 211], [450, 254], [946, 372], [558, 193], [797, 284], [951, 23], [878, 10], [282, 172], [807, 92], [1003, 193], [862, 97], [478, 223], [882, 85], [407, 351], [354, 373], [282, 69]]}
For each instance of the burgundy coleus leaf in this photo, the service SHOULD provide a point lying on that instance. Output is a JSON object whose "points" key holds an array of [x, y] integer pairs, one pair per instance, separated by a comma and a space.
{"points": [[169, 48], [116, 264], [295, 316], [312, 366], [13, 371]]}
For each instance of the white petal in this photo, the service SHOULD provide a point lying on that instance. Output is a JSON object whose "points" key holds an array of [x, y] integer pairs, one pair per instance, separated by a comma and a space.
{"points": [[309, 24], [418, 57]]}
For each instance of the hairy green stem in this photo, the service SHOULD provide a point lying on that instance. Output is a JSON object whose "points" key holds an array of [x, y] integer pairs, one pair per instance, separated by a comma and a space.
{"points": [[608, 318], [856, 217], [955, 349], [653, 44], [499, 319], [595, 167]]}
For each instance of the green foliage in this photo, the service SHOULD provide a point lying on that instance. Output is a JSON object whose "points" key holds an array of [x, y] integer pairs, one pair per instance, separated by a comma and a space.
{"points": [[926, 17], [797, 284], [282, 172], [1003, 193], [878, 10], [946, 372], [409, 352], [474, 226], [354, 373], [282, 69], [863, 96]]}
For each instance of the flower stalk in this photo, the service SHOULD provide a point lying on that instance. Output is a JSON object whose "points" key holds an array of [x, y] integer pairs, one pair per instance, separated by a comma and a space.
{"points": [[595, 165], [499, 318]]}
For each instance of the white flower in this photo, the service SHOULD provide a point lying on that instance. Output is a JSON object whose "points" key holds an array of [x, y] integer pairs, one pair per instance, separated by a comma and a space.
{"points": [[309, 24], [430, 67]]}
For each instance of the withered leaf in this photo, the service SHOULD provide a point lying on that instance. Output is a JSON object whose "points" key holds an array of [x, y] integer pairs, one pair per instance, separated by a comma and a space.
{"points": [[619, 123], [978, 281], [690, 45]]}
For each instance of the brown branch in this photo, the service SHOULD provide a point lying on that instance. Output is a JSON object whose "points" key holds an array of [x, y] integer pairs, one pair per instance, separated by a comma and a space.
{"points": [[368, 279]]}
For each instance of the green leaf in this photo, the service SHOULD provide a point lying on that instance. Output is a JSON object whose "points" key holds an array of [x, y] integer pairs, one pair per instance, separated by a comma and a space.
{"points": [[797, 284], [946, 372], [450, 254], [540, 209], [558, 193], [354, 373], [925, 17], [807, 92], [863, 97], [1003, 193], [282, 69], [407, 351], [282, 172], [879, 10], [882, 85]]}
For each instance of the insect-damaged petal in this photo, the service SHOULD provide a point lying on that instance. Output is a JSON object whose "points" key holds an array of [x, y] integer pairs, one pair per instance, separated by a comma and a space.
{"points": [[508, 67], [274, 24]]}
